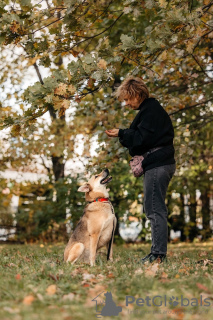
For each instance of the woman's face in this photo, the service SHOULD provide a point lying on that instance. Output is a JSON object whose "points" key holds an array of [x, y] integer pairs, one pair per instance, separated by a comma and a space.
{"points": [[133, 103]]}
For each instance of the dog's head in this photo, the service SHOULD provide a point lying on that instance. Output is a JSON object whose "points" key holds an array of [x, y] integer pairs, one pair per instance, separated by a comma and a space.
{"points": [[96, 186]]}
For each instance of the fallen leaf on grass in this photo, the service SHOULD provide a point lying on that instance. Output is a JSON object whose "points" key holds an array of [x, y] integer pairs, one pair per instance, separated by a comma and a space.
{"points": [[110, 275], [52, 276], [202, 287], [70, 296], [164, 275], [40, 297], [87, 276], [18, 277], [85, 285], [151, 271], [11, 310], [205, 261], [10, 265], [77, 271], [28, 300], [51, 289], [203, 253], [183, 270], [138, 271]]}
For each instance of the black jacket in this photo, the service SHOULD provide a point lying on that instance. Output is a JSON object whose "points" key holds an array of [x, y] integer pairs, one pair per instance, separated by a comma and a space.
{"points": [[151, 128]]}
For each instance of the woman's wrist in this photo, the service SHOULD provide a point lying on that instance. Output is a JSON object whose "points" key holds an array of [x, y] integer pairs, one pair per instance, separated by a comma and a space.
{"points": [[120, 133]]}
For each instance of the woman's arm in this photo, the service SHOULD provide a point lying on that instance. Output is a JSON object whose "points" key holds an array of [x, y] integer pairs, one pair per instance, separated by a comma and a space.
{"points": [[142, 134]]}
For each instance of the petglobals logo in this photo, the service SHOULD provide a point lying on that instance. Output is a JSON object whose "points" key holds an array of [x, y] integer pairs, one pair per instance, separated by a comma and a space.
{"points": [[159, 301], [105, 305]]}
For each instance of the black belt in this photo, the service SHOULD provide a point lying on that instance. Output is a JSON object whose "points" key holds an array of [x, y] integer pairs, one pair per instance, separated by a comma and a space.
{"points": [[152, 150]]}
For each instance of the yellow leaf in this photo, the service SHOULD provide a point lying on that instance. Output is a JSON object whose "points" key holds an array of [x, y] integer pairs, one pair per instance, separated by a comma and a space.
{"points": [[65, 104], [163, 55], [28, 300], [102, 64], [190, 46], [51, 289], [31, 61], [162, 3], [151, 271], [57, 102], [71, 89], [61, 89]]}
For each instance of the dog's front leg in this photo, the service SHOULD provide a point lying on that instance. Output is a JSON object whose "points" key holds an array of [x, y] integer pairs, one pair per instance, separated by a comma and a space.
{"points": [[93, 247]]}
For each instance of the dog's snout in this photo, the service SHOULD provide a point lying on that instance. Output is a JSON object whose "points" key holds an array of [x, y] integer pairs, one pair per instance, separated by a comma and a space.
{"points": [[107, 171]]}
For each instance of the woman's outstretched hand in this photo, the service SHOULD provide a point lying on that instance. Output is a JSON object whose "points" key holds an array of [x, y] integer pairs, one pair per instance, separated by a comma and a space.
{"points": [[112, 132]]}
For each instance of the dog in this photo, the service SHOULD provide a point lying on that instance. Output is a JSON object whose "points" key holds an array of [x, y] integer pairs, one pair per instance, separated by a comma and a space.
{"points": [[96, 227]]}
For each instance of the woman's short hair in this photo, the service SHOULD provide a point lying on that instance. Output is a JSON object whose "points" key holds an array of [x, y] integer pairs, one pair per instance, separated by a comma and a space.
{"points": [[132, 87]]}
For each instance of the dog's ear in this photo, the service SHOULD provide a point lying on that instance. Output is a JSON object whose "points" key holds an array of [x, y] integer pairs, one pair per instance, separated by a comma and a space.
{"points": [[85, 188]]}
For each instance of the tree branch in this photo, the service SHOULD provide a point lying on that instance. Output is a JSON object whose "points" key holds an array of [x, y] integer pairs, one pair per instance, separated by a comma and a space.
{"points": [[38, 72], [50, 107], [190, 107], [196, 120], [48, 169], [196, 60]]}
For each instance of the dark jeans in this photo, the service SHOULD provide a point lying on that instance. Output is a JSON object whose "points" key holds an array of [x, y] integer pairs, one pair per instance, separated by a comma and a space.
{"points": [[156, 182]]}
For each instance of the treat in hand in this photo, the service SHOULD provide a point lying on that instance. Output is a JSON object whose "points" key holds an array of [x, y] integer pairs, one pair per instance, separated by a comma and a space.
{"points": [[112, 132]]}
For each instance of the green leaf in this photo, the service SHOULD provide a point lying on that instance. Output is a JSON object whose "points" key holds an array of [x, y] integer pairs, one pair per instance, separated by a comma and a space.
{"points": [[127, 41]]}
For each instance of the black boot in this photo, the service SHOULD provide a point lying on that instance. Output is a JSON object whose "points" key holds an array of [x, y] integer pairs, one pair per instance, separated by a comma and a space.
{"points": [[146, 258], [157, 258]]}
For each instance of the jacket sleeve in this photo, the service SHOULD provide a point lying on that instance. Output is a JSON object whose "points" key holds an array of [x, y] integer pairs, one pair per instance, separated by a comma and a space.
{"points": [[141, 136]]}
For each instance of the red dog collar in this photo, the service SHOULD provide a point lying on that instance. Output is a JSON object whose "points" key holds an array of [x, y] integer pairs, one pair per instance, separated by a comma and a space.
{"points": [[101, 200]]}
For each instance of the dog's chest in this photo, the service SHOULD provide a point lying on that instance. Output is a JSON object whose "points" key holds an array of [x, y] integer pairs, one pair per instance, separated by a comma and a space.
{"points": [[106, 232]]}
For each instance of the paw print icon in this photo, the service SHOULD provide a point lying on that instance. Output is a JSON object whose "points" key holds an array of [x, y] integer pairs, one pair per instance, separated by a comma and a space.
{"points": [[173, 301]]}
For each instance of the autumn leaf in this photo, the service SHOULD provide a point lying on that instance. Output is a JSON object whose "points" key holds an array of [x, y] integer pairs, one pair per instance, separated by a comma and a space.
{"points": [[151, 271], [162, 3], [102, 64], [202, 287], [28, 300], [51, 289], [14, 26], [164, 275], [87, 276], [71, 89], [31, 61], [86, 285], [61, 89], [110, 275], [18, 277], [70, 296], [65, 104]]}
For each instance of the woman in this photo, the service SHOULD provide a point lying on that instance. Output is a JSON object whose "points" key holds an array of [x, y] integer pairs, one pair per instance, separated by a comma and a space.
{"points": [[151, 135]]}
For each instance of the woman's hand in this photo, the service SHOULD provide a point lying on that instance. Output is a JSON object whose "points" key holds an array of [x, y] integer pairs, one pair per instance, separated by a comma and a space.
{"points": [[112, 132]]}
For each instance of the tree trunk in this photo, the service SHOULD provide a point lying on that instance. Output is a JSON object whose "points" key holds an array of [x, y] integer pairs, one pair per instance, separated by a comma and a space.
{"points": [[192, 215], [58, 167], [205, 214], [182, 218]]}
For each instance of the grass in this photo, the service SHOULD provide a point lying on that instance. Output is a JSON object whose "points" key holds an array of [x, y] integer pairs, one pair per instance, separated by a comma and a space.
{"points": [[35, 283]]}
